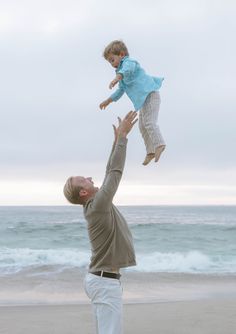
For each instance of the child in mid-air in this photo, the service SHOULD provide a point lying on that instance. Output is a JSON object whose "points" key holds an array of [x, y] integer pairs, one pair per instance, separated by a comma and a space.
{"points": [[142, 89]]}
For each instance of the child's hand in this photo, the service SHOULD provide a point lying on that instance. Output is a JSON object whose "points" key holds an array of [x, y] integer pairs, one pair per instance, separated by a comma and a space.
{"points": [[113, 83], [105, 103]]}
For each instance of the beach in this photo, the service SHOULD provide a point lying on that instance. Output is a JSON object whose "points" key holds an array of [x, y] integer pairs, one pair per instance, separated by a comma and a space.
{"points": [[153, 303], [196, 317]]}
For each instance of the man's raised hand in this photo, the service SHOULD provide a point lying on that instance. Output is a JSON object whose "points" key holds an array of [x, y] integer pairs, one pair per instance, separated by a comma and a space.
{"points": [[126, 124]]}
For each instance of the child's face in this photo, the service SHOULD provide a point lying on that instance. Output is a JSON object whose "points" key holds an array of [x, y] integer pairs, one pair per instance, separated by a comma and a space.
{"points": [[114, 60]]}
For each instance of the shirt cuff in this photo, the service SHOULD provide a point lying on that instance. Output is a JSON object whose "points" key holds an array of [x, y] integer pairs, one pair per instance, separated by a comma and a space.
{"points": [[113, 97]]}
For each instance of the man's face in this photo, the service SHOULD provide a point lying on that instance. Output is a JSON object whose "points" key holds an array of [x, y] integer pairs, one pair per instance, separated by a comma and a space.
{"points": [[86, 183], [114, 60]]}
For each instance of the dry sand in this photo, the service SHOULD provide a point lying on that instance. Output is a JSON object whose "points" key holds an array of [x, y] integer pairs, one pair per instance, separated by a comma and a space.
{"points": [[216, 316], [153, 304]]}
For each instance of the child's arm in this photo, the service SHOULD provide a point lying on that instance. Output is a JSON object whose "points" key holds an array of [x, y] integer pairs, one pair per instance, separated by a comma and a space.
{"points": [[113, 98], [105, 103], [115, 81]]}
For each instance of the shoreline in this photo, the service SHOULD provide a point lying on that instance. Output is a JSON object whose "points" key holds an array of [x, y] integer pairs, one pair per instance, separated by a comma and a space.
{"points": [[138, 288], [125, 303]]}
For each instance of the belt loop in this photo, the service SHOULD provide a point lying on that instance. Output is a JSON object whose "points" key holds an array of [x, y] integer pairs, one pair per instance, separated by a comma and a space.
{"points": [[102, 273]]}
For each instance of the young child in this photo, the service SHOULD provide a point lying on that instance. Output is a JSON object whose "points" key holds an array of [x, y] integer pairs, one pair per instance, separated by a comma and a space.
{"points": [[142, 89]]}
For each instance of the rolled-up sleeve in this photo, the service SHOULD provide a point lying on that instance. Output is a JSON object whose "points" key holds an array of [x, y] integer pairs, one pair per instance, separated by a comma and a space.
{"points": [[118, 93]]}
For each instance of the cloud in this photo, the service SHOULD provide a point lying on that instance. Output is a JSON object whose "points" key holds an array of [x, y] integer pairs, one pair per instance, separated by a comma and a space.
{"points": [[54, 78], [43, 17]]}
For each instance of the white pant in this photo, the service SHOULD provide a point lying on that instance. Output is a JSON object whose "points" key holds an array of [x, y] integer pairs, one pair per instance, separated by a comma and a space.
{"points": [[106, 297], [148, 127]]}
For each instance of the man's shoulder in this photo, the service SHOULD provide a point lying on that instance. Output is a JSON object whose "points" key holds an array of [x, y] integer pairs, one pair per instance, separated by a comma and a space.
{"points": [[97, 204]]}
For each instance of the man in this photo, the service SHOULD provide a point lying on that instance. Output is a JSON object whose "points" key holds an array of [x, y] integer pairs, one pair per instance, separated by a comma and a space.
{"points": [[110, 238]]}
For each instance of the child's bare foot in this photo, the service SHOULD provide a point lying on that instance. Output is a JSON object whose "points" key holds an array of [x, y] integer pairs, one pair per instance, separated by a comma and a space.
{"points": [[148, 158], [158, 152]]}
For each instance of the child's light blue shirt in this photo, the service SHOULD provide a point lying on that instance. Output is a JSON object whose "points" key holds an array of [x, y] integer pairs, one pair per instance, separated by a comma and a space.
{"points": [[135, 82]]}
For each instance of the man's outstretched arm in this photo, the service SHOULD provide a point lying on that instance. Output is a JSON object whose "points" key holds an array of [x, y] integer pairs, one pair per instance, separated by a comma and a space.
{"points": [[113, 147], [104, 196]]}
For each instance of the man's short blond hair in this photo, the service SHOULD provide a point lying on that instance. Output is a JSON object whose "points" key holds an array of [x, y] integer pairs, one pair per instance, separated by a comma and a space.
{"points": [[115, 48], [71, 192]]}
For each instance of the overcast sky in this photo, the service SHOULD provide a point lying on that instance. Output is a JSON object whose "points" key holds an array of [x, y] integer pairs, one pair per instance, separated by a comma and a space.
{"points": [[53, 78]]}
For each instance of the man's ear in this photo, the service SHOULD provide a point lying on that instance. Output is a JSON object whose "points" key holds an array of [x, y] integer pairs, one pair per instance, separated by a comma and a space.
{"points": [[83, 193]]}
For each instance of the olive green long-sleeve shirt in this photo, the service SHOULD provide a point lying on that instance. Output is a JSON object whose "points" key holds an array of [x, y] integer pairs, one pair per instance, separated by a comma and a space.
{"points": [[110, 238]]}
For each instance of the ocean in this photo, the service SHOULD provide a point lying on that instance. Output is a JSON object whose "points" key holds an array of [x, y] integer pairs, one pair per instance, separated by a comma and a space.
{"points": [[44, 248], [166, 238]]}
